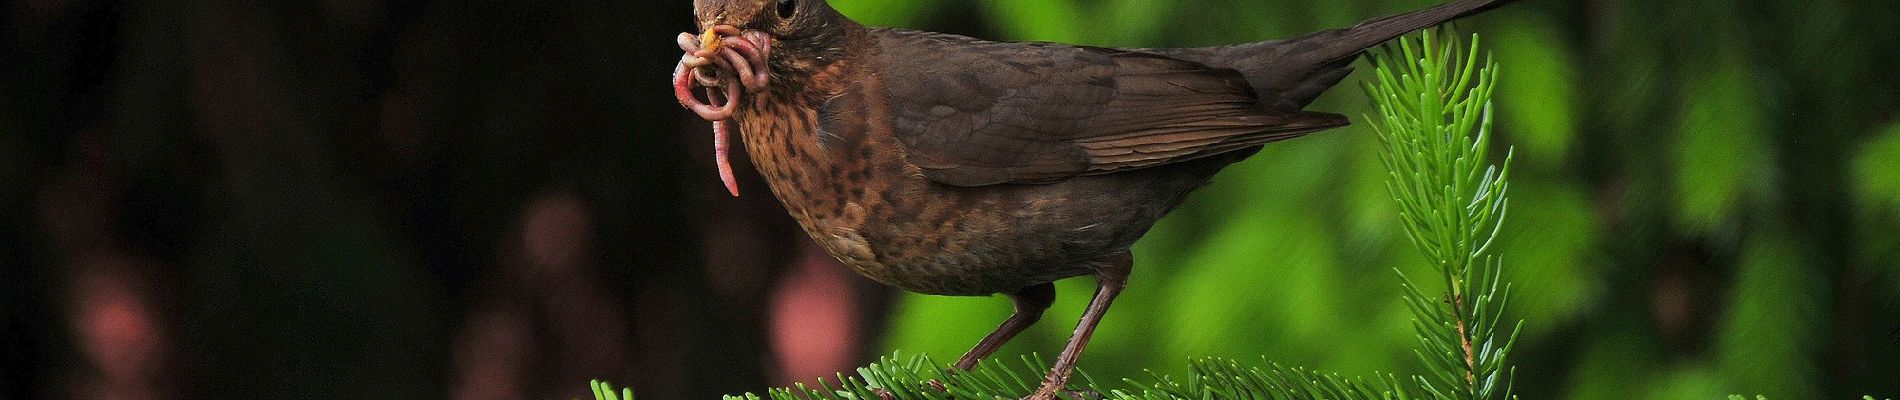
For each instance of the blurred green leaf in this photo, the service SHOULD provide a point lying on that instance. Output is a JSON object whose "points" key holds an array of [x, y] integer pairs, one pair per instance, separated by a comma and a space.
{"points": [[1045, 20], [1689, 382], [1615, 361], [1539, 100], [1551, 238], [898, 13], [1368, 234], [1135, 22], [1877, 173], [1768, 335], [1723, 158], [1226, 296]]}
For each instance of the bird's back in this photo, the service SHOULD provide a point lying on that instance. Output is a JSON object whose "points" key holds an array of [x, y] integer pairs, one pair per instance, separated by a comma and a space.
{"points": [[971, 112]]}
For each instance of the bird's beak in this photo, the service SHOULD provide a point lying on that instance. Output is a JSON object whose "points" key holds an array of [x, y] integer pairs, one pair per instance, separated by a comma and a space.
{"points": [[709, 42]]}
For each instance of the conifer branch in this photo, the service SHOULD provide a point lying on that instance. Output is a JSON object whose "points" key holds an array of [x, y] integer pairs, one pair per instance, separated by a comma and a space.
{"points": [[1434, 102]]}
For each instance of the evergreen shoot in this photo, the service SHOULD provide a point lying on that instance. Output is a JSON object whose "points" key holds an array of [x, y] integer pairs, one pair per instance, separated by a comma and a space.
{"points": [[1434, 102]]}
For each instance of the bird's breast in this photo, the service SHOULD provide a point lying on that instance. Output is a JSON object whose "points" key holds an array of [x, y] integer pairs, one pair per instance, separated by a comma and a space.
{"points": [[815, 160], [840, 172]]}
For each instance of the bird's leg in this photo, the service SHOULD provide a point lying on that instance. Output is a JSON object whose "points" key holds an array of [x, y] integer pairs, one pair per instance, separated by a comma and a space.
{"points": [[1030, 302], [1112, 275]]}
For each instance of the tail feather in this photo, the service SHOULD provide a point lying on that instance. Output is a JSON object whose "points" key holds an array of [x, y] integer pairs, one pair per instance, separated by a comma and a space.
{"points": [[1349, 42], [1290, 73]]}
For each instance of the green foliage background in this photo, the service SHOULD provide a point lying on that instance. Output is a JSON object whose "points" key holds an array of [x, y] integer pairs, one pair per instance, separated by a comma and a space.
{"points": [[1702, 203]]}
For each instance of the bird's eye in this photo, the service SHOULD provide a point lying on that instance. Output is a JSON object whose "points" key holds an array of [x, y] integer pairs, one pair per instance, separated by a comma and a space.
{"points": [[786, 8]]}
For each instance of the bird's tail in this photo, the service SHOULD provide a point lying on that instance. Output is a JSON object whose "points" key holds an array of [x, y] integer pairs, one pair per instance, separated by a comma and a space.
{"points": [[1348, 42], [1292, 72]]}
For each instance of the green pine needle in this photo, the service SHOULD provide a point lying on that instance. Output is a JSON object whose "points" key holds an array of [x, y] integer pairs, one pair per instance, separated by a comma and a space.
{"points": [[605, 391]]}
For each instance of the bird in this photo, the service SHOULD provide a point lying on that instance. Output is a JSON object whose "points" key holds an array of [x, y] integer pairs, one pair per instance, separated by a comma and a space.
{"points": [[951, 165]]}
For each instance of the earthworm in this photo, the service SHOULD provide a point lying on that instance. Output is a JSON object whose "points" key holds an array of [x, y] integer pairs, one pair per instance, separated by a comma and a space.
{"points": [[722, 134], [744, 58], [682, 90]]}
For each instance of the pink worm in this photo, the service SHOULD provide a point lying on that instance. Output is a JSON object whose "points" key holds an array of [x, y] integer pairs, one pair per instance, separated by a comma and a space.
{"points": [[744, 56], [682, 89], [720, 134]]}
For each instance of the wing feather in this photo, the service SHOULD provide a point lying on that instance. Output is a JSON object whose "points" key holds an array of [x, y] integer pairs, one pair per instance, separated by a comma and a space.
{"points": [[981, 113]]}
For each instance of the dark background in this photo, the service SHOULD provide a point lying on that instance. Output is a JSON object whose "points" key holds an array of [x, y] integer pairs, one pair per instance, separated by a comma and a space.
{"points": [[500, 199]]}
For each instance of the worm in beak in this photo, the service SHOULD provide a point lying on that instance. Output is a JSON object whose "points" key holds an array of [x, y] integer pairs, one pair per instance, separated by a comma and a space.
{"points": [[738, 60]]}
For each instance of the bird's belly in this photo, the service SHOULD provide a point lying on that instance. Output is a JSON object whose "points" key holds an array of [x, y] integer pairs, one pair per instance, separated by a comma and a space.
{"points": [[973, 253], [928, 238], [882, 218], [892, 225]]}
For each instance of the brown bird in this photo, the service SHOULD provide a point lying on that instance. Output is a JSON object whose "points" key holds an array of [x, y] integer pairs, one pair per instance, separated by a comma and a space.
{"points": [[948, 165]]}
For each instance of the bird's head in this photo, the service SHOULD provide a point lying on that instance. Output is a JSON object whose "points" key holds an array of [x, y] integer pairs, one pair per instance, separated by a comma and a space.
{"points": [[783, 19], [801, 32], [756, 47]]}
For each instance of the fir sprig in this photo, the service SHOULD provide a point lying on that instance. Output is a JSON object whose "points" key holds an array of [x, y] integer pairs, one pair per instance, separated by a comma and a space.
{"points": [[1434, 102]]}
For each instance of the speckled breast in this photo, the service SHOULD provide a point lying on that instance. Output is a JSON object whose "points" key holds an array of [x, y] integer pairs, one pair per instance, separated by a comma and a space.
{"points": [[846, 181]]}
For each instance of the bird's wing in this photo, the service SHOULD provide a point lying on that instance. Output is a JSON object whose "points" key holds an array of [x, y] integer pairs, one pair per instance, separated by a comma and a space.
{"points": [[972, 112]]}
